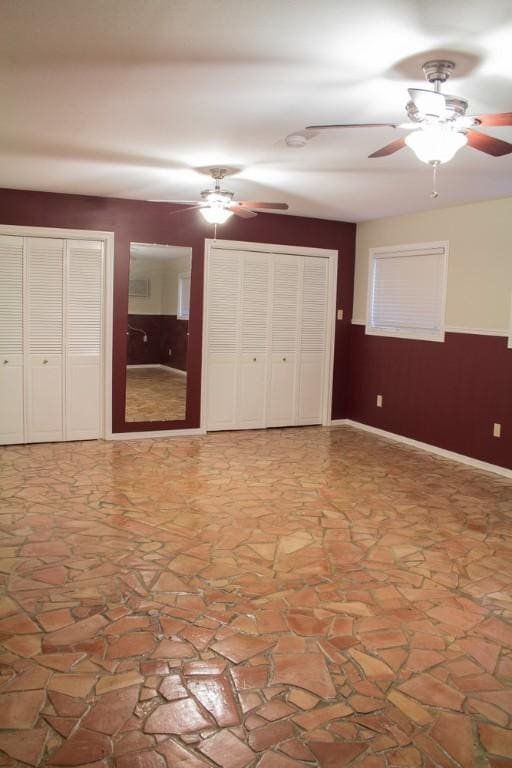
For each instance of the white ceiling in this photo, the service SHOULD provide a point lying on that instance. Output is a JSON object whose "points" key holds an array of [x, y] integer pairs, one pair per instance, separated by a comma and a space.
{"points": [[127, 98]]}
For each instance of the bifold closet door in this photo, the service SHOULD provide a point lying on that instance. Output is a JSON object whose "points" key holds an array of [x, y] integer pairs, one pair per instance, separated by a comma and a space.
{"points": [[237, 339], [84, 332], [51, 331], [286, 284], [44, 340], [266, 339], [11, 340], [254, 327], [312, 341], [223, 338]]}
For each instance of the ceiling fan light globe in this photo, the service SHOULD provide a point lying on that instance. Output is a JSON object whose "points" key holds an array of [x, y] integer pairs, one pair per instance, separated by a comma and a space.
{"points": [[215, 214], [435, 144]]}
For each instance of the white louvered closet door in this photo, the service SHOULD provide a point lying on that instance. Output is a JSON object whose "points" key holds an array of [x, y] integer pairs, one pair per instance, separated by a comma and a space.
{"points": [[286, 285], [11, 340], [223, 338], [254, 335], [83, 338], [44, 340], [312, 340]]}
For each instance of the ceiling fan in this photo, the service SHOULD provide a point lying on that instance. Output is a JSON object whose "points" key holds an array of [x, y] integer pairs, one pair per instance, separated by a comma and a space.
{"points": [[438, 123], [217, 204]]}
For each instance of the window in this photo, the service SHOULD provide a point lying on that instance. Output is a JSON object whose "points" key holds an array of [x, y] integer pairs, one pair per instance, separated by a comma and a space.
{"points": [[407, 291], [183, 295], [139, 287]]}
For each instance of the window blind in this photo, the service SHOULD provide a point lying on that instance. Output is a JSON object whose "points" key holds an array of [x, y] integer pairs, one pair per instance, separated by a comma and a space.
{"points": [[407, 293]]}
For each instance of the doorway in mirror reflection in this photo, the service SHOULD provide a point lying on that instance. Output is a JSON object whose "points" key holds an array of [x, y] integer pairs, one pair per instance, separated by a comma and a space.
{"points": [[157, 332]]}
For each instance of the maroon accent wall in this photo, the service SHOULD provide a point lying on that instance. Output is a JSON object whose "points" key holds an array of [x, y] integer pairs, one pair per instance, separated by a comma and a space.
{"points": [[137, 221], [138, 351], [445, 394], [164, 333]]}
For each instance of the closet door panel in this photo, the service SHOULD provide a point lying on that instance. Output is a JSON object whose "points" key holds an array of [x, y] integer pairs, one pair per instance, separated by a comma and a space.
{"points": [[222, 392], [312, 341], [281, 396], [310, 388], [223, 330], [254, 321], [11, 340], [284, 316], [44, 339], [45, 399], [252, 384], [83, 333], [11, 399]]}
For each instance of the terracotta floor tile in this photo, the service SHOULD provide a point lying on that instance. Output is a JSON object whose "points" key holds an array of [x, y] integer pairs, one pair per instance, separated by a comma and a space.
{"points": [[146, 759], [76, 633], [179, 756], [115, 682], [131, 644], [20, 710], [239, 648], [335, 755], [497, 741], [428, 690], [321, 595], [67, 706], [111, 711], [267, 736], [177, 717], [216, 696], [72, 685], [27, 747], [226, 750], [81, 748], [307, 671]]}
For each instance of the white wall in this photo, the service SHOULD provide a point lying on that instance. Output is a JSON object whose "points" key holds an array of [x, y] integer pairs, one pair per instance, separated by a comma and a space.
{"points": [[163, 279], [170, 284], [479, 263]]}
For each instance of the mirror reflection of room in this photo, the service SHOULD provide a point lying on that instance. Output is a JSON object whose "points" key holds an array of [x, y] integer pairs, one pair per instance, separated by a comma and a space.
{"points": [[157, 332]]}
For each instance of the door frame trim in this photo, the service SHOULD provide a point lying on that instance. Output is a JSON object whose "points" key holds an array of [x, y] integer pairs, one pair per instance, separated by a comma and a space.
{"points": [[294, 250], [108, 302]]}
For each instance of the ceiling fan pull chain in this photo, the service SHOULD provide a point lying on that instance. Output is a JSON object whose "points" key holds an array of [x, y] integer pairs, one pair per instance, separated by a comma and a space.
{"points": [[434, 192]]}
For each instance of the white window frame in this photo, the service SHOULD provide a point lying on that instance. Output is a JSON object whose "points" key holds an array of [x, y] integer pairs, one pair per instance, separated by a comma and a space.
{"points": [[182, 276], [412, 250]]}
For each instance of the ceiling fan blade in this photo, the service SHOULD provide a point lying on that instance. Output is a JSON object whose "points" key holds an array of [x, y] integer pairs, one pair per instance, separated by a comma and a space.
{"points": [[428, 102], [259, 204], [183, 210], [501, 118], [178, 202], [244, 213], [389, 149], [488, 144], [350, 125]]}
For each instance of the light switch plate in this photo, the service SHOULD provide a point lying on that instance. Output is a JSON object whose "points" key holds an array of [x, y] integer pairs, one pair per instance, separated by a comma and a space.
{"points": [[496, 430], [340, 314]]}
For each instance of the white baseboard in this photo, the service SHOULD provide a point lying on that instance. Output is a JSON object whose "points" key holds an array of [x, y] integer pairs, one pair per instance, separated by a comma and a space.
{"points": [[460, 457], [173, 370], [156, 434], [338, 422]]}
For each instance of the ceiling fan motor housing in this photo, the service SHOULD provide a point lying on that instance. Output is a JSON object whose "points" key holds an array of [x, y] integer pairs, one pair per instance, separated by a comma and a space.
{"points": [[438, 70]]}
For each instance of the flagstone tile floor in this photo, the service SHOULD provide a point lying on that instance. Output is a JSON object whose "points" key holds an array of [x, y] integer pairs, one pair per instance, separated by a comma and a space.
{"points": [[269, 599]]}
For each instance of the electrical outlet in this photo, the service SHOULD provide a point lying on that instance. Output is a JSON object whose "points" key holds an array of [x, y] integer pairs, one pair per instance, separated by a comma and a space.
{"points": [[379, 401], [496, 430], [170, 352], [340, 314]]}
